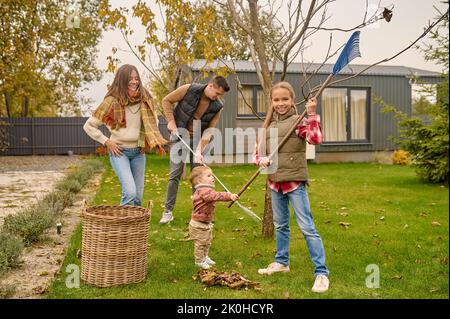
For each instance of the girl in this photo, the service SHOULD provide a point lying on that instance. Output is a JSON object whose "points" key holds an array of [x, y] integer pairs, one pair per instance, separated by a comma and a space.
{"points": [[128, 113], [288, 179]]}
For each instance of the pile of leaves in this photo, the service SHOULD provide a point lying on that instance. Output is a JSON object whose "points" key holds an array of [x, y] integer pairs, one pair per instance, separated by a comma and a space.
{"points": [[221, 278]]}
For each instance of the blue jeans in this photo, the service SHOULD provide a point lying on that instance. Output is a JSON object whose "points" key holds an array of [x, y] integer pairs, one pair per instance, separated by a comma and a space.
{"points": [[130, 169], [302, 213]]}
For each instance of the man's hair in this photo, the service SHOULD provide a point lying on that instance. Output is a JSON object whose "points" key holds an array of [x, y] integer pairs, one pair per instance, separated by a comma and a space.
{"points": [[197, 172], [220, 82]]}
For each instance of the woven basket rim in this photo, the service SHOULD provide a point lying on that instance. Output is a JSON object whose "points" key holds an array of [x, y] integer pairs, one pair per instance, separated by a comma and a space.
{"points": [[145, 212]]}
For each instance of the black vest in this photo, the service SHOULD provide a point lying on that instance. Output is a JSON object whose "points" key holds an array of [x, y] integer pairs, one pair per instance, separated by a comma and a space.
{"points": [[185, 109]]}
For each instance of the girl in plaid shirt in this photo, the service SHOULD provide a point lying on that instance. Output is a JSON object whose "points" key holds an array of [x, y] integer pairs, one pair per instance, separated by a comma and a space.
{"points": [[288, 179]]}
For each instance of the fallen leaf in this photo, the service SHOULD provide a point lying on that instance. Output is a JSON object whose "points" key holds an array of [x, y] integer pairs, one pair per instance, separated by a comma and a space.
{"points": [[238, 264], [406, 226], [286, 295], [382, 218], [334, 249], [435, 224], [344, 214], [346, 225], [255, 255], [397, 277]]}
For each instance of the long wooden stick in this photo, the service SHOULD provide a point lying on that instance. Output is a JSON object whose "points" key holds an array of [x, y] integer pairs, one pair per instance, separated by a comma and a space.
{"points": [[283, 141]]}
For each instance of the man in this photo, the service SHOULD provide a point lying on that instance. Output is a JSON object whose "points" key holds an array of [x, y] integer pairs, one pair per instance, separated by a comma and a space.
{"points": [[199, 102]]}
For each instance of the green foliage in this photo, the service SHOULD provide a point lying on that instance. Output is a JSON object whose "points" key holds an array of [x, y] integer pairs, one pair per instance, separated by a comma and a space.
{"points": [[428, 140], [28, 224], [48, 52], [10, 250]]}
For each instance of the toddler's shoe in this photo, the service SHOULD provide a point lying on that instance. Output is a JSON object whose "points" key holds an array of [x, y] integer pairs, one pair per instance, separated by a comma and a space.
{"points": [[321, 284], [272, 268], [166, 218], [203, 265], [209, 261]]}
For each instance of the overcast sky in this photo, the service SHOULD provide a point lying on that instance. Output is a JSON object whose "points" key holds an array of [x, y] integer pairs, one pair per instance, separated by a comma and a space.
{"points": [[380, 41]]}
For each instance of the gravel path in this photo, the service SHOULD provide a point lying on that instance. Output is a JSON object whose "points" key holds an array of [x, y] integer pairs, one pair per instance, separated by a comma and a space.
{"points": [[26, 179]]}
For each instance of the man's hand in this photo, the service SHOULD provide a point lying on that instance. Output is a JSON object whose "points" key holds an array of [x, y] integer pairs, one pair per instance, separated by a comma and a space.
{"points": [[172, 126], [198, 157], [114, 147], [234, 197], [311, 106], [264, 162]]}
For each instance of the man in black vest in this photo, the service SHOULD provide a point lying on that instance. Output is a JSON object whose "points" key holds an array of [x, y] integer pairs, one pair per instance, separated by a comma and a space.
{"points": [[199, 103]]}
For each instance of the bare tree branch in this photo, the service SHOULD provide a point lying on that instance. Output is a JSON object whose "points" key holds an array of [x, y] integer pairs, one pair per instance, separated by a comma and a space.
{"points": [[425, 32]]}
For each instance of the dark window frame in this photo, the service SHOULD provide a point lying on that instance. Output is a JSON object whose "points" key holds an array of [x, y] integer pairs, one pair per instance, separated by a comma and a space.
{"points": [[255, 88], [350, 141]]}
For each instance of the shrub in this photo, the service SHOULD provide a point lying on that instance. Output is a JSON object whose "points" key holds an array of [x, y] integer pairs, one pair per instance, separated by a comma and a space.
{"points": [[401, 157], [28, 224], [7, 291], [10, 250], [69, 185]]}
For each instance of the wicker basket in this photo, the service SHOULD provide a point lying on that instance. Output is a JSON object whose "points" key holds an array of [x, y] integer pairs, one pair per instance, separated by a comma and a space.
{"points": [[114, 245]]}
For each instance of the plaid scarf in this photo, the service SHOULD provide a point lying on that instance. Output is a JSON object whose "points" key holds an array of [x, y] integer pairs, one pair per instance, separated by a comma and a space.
{"points": [[112, 113]]}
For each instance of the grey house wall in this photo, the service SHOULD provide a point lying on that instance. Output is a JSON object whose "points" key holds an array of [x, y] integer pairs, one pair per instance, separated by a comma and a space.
{"points": [[394, 90]]}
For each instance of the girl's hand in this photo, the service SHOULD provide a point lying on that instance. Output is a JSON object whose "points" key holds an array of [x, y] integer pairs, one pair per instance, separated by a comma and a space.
{"points": [[114, 147], [311, 106], [264, 162], [234, 197]]}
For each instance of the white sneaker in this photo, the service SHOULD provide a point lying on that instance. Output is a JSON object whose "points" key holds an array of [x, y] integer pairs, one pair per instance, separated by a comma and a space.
{"points": [[209, 261], [166, 218], [272, 268], [203, 265], [321, 284]]}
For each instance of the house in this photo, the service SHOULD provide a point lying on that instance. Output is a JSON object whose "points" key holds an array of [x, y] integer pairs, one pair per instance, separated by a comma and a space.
{"points": [[355, 129]]}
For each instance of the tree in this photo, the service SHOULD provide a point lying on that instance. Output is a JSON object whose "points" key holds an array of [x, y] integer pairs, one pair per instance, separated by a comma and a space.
{"points": [[304, 20], [427, 139], [48, 53], [190, 30]]}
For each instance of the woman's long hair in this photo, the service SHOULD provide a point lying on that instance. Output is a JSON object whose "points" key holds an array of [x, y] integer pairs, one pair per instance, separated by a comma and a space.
{"points": [[119, 87]]}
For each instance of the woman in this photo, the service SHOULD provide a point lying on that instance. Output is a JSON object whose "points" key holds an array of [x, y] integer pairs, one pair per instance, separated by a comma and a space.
{"points": [[127, 111], [288, 179]]}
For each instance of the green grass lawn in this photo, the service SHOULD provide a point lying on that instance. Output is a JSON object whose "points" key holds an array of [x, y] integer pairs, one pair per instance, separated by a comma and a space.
{"points": [[397, 223]]}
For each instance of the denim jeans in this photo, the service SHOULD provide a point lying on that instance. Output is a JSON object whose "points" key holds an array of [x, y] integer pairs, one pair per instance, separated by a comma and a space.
{"points": [[130, 169], [176, 170], [281, 217]]}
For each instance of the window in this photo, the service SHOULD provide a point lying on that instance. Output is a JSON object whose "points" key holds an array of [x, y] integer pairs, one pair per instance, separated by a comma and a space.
{"points": [[251, 96], [345, 115]]}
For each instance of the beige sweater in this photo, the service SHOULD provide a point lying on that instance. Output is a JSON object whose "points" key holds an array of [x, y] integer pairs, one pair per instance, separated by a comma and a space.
{"points": [[128, 136]]}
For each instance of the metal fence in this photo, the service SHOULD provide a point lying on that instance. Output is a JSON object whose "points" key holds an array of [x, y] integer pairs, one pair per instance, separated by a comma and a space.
{"points": [[53, 135]]}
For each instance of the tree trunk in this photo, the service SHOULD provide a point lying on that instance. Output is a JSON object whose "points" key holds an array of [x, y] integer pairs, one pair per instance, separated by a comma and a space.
{"points": [[267, 230], [25, 106], [7, 103]]}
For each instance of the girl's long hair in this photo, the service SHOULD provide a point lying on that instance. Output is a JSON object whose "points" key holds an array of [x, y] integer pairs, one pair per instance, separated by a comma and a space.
{"points": [[119, 87]]}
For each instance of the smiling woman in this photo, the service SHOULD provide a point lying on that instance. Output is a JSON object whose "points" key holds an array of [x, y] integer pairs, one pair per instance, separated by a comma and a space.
{"points": [[128, 113]]}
